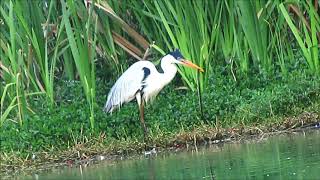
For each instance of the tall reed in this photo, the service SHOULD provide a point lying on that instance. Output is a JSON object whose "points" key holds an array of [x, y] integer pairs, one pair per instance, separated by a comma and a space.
{"points": [[43, 41], [307, 39], [191, 26]]}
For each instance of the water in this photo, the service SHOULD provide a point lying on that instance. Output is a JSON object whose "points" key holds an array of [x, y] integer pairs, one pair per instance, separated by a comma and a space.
{"points": [[295, 156]]}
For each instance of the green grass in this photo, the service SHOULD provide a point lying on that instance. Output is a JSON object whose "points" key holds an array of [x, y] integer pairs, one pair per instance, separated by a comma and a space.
{"points": [[229, 103]]}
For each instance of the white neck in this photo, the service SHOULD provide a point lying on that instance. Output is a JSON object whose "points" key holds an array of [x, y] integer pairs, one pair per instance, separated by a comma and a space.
{"points": [[169, 69]]}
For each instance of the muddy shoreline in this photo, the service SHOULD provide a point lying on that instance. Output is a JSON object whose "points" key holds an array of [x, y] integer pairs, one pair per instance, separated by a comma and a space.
{"points": [[84, 155]]}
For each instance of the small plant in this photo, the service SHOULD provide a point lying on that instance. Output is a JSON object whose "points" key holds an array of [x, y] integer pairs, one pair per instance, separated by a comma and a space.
{"points": [[4, 111]]}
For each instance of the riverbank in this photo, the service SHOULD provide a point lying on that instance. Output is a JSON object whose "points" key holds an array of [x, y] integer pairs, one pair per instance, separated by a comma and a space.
{"points": [[60, 134], [92, 151]]}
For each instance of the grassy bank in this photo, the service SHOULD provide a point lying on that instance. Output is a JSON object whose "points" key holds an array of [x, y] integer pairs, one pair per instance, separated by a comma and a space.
{"points": [[93, 149], [231, 109], [227, 103]]}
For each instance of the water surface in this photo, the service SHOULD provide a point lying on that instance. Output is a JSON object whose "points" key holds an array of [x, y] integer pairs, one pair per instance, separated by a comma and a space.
{"points": [[294, 156]]}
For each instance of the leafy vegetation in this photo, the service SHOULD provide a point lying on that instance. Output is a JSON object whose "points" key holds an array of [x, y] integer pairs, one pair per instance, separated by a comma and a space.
{"points": [[59, 58], [227, 103]]}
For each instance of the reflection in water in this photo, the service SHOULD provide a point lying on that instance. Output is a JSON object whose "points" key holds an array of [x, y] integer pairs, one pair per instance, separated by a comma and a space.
{"points": [[281, 157]]}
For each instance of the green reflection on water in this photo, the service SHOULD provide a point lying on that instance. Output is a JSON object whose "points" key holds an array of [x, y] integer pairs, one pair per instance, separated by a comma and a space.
{"points": [[280, 157]]}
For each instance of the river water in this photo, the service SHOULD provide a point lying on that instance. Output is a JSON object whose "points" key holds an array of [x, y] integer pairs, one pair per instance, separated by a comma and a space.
{"points": [[285, 156]]}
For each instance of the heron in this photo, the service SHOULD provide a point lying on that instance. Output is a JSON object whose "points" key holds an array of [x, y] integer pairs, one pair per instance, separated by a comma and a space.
{"points": [[142, 81]]}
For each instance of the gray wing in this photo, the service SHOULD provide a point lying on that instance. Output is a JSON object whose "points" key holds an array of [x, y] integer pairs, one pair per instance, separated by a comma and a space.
{"points": [[127, 86]]}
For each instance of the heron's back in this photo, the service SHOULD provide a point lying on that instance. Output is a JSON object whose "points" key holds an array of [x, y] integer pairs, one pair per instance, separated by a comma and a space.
{"points": [[128, 84]]}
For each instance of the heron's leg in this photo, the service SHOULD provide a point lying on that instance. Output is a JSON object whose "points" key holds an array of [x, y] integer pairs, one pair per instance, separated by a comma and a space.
{"points": [[141, 107]]}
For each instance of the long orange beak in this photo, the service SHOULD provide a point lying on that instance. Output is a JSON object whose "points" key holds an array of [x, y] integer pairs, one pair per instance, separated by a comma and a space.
{"points": [[190, 64]]}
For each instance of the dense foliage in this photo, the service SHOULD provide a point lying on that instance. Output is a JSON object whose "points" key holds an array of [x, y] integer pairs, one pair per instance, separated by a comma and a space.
{"points": [[226, 102]]}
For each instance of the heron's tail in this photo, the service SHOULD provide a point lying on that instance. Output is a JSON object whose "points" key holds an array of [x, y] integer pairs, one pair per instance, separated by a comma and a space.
{"points": [[111, 104], [118, 94], [108, 108]]}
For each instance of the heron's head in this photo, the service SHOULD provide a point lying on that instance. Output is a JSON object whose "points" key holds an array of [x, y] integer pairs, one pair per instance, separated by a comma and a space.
{"points": [[179, 59]]}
